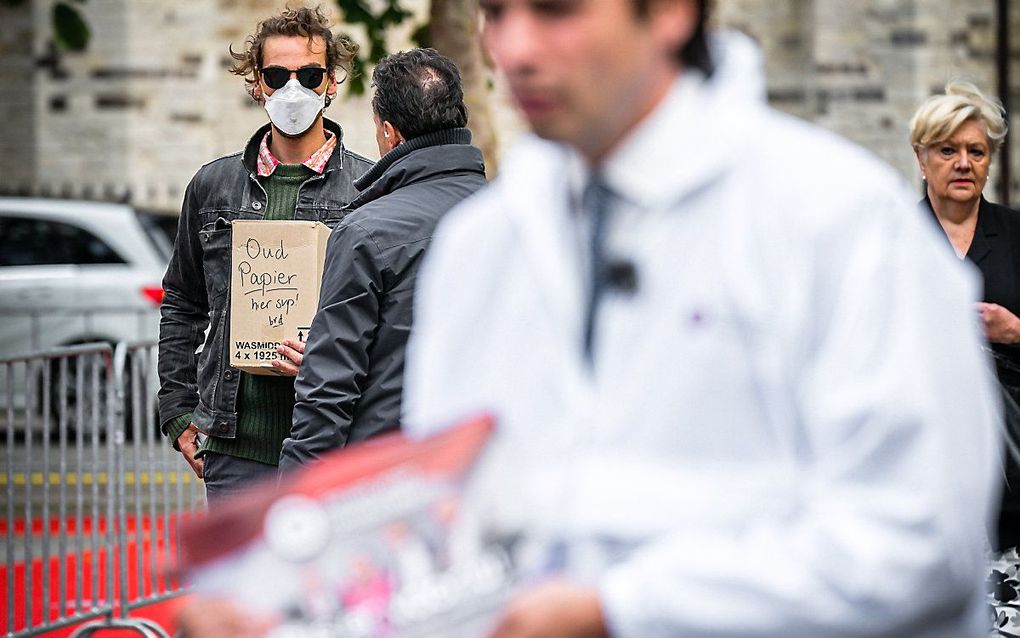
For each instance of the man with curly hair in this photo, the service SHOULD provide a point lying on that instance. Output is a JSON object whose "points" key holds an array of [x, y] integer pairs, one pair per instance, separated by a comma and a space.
{"points": [[293, 167]]}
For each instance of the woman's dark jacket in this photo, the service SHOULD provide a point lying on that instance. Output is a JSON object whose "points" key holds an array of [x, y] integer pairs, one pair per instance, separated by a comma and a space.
{"points": [[995, 250]]}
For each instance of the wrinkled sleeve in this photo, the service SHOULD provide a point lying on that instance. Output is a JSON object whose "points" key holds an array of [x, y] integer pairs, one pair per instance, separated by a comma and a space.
{"points": [[899, 428], [335, 365], [184, 316]]}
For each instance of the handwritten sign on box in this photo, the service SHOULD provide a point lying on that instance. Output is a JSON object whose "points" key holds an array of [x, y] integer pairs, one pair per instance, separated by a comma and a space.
{"points": [[276, 271]]}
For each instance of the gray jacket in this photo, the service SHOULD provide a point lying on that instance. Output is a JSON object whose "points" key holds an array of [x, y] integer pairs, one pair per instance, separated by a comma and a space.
{"points": [[197, 281], [350, 382]]}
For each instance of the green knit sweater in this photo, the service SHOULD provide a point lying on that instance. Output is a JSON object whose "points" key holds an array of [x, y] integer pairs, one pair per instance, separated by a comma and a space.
{"points": [[265, 404]]}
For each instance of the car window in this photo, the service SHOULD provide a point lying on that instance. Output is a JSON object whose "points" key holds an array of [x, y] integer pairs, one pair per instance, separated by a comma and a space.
{"points": [[160, 229], [41, 242]]}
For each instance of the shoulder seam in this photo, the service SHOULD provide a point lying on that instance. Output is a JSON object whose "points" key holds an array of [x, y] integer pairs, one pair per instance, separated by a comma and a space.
{"points": [[356, 156], [365, 232], [225, 157]]}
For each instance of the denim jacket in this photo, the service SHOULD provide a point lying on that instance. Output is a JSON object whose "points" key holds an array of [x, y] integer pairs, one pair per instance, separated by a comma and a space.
{"points": [[197, 281]]}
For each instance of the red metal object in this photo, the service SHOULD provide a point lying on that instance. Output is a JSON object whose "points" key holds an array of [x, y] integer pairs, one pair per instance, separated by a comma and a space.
{"points": [[162, 612]]}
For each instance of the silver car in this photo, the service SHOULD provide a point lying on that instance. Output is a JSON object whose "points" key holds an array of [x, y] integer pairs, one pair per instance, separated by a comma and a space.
{"points": [[75, 272]]}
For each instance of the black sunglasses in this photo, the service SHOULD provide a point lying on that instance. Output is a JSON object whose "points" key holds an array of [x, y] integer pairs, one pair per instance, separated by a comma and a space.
{"points": [[276, 77]]}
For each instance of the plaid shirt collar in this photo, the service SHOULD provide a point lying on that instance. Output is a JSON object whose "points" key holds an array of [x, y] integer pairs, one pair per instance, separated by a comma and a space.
{"points": [[267, 163]]}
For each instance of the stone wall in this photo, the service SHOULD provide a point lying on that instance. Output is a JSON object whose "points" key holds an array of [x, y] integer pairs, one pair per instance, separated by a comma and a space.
{"points": [[17, 97], [862, 68], [151, 100], [146, 105]]}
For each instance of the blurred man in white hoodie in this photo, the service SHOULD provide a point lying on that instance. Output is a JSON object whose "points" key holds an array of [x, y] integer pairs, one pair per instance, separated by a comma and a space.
{"points": [[738, 382]]}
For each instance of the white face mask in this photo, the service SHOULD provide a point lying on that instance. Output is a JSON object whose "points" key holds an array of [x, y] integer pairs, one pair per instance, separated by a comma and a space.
{"points": [[293, 108]]}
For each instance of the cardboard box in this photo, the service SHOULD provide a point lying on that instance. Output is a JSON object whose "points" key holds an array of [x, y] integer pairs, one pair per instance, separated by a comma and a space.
{"points": [[276, 271]]}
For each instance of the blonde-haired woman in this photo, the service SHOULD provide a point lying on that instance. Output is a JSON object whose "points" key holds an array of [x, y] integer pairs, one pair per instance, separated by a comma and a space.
{"points": [[955, 135]]}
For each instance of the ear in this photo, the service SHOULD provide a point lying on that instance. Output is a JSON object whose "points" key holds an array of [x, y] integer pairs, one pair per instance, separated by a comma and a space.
{"points": [[673, 21], [391, 136], [921, 154], [331, 85], [391, 132]]}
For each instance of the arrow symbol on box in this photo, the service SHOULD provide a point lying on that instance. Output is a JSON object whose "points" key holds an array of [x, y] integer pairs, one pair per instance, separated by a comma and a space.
{"points": [[300, 336]]}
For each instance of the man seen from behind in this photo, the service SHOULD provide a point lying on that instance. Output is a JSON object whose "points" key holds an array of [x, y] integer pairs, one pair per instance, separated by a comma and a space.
{"points": [[350, 383]]}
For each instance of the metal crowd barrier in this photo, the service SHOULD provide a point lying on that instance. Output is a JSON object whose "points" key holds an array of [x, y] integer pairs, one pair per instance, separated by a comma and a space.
{"points": [[46, 326], [89, 524]]}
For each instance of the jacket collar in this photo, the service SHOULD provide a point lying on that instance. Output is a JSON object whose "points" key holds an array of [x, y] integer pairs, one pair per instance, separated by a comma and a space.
{"points": [[987, 227], [695, 134], [251, 150], [417, 159], [435, 138]]}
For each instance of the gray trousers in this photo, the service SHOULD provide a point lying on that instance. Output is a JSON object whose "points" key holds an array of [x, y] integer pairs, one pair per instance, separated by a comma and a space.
{"points": [[227, 476]]}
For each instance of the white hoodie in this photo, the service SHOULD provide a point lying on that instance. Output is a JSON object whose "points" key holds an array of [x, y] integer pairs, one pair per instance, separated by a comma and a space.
{"points": [[789, 429]]}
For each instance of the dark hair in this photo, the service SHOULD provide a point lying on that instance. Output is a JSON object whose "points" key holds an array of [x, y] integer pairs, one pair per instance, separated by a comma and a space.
{"points": [[693, 54], [418, 91], [306, 22]]}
